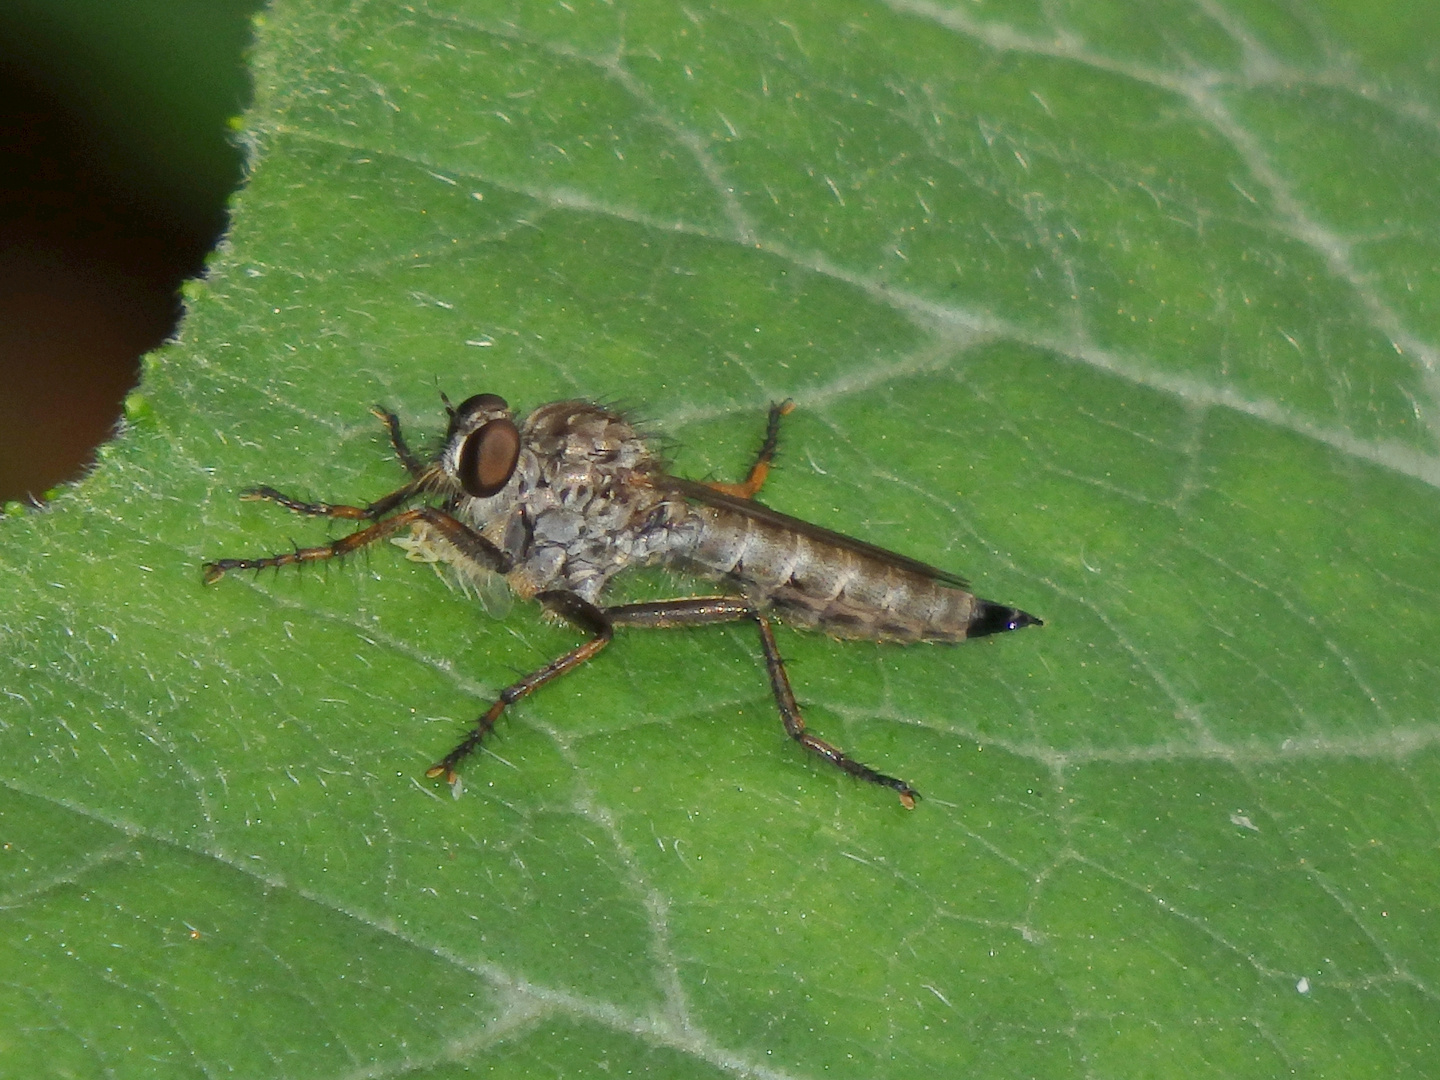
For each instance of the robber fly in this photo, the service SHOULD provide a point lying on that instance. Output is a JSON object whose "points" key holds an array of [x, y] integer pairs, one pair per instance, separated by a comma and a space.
{"points": [[562, 501]]}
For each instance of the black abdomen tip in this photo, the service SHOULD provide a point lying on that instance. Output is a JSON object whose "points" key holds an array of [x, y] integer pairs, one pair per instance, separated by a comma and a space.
{"points": [[992, 618]]}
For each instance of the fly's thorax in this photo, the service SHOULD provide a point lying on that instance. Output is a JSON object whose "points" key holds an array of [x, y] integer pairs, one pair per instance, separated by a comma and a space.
{"points": [[580, 505], [582, 432], [844, 592]]}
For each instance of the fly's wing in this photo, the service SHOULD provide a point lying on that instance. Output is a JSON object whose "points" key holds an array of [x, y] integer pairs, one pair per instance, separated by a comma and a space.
{"points": [[493, 592], [703, 493]]}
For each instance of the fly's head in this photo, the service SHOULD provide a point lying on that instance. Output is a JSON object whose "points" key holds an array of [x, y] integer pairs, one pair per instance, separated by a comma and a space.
{"points": [[482, 449]]}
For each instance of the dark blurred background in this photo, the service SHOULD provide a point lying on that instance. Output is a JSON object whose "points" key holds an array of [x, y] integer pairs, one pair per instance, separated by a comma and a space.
{"points": [[116, 161]]}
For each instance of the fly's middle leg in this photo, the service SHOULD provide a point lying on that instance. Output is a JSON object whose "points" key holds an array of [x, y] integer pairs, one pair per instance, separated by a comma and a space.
{"points": [[706, 610], [760, 470], [456, 533]]}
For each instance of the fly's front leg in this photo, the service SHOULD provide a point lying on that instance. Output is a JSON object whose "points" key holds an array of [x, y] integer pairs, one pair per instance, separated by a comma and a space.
{"points": [[705, 610], [420, 472], [413, 465], [379, 508], [568, 606], [755, 480], [456, 533]]}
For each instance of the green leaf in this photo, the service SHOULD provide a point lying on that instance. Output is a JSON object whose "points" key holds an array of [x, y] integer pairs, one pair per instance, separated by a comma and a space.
{"points": [[1126, 312]]}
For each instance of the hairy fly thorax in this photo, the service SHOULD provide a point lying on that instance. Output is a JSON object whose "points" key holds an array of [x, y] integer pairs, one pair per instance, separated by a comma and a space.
{"points": [[581, 503]]}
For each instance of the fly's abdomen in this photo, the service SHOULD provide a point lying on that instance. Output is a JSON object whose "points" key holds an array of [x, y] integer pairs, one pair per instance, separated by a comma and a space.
{"points": [[815, 581]]}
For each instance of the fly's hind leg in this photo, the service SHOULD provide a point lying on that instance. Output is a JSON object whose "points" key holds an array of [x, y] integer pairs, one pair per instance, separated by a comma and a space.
{"points": [[760, 470], [705, 610], [568, 606]]}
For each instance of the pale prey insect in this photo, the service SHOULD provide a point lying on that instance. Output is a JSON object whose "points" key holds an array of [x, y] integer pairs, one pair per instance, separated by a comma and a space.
{"points": [[561, 502]]}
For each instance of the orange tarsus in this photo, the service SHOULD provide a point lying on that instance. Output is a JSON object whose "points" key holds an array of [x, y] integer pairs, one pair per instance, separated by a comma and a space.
{"points": [[760, 471]]}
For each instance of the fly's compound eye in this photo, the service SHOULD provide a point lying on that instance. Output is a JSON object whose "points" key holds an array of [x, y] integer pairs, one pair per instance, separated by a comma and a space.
{"points": [[488, 458]]}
